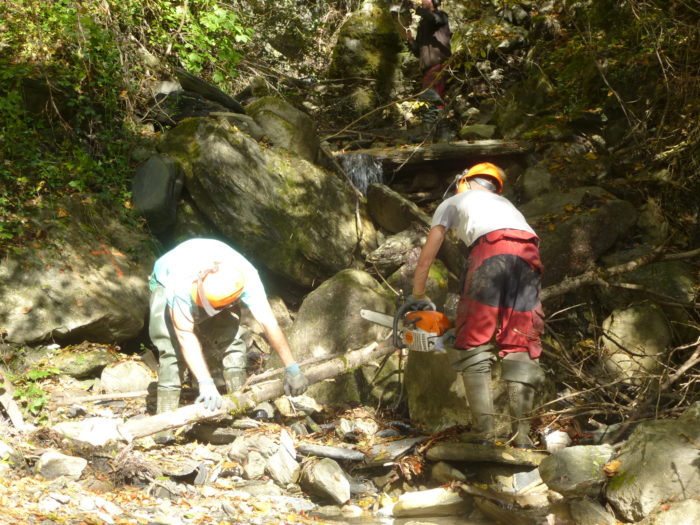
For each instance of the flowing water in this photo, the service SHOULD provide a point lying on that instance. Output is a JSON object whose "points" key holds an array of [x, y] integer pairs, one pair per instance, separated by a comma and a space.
{"points": [[363, 170]]}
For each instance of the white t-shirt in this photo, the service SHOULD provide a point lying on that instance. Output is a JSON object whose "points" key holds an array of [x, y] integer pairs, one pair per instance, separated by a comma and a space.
{"points": [[179, 268], [475, 213]]}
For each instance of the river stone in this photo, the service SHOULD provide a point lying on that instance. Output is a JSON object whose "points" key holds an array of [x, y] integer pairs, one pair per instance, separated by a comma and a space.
{"points": [[242, 446], [282, 465], [576, 471], [155, 190], [675, 513], [126, 376], [443, 473], [392, 211], [635, 341], [303, 223], [84, 364], [255, 465], [435, 392], [53, 464], [433, 502], [589, 512], [325, 478], [659, 462]]}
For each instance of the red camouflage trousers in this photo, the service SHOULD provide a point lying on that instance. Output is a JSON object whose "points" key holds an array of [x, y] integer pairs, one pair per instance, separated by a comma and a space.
{"points": [[435, 79], [501, 294]]}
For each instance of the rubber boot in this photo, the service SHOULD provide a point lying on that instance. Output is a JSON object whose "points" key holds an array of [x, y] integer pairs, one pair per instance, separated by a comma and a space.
{"points": [[480, 398], [234, 379], [167, 400], [521, 399]]}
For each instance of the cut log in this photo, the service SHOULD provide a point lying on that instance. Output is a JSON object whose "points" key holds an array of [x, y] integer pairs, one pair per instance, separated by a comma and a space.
{"points": [[485, 453], [243, 401], [459, 153]]}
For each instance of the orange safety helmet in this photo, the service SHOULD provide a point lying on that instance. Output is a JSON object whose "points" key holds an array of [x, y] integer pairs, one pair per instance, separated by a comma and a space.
{"points": [[218, 287], [483, 169]]}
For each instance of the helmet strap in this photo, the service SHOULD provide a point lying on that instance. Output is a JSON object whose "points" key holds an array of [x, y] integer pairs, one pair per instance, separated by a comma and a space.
{"points": [[485, 183], [208, 308], [452, 185]]}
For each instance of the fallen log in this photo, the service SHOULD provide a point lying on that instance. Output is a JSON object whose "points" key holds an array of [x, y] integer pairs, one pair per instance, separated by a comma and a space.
{"points": [[241, 402], [455, 153]]}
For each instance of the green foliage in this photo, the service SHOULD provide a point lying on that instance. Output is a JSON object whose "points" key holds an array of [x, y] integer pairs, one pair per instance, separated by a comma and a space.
{"points": [[70, 92], [29, 392]]}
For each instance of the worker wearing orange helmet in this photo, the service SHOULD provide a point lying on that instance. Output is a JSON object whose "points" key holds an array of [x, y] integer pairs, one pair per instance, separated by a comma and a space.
{"points": [[499, 299], [196, 289]]}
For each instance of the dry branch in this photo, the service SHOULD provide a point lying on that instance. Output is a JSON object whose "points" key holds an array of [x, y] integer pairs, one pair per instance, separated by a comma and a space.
{"points": [[600, 276], [243, 401]]}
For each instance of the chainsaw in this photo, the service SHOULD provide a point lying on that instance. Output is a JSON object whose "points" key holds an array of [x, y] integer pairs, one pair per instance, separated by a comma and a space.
{"points": [[417, 330]]}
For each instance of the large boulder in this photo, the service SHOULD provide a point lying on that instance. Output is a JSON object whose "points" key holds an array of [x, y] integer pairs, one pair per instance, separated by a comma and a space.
{"points": [[287, 214], [367, 47], [658, 464], [87, 280], [328, 322], [576, 228], [435, 392]]}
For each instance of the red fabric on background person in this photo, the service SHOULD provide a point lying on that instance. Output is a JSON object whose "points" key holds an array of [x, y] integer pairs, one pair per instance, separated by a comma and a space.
{"points": [[433, 78]]}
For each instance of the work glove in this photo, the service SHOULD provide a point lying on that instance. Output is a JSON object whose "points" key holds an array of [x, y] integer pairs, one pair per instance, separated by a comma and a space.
{"points": [[295, 382], [418, 302], [209, 395]]}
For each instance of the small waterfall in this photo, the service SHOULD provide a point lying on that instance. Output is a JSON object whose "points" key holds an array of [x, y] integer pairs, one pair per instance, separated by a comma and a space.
{"points": [[363, 170]]}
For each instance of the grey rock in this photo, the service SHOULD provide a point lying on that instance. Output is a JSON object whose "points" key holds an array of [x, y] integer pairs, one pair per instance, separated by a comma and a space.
{"points": [[685, 512], [286, 126], [254, 466], [326, 479], [277, 206], [126, 376], [282, 465], [577, 471], [241, 447], [53, 464], [590, 512], [658, 462], [433, 502]]}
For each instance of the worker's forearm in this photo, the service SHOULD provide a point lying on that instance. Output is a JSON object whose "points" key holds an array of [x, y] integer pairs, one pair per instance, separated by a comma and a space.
{"points": [[425, 260], [194, 357], [279, 343]]}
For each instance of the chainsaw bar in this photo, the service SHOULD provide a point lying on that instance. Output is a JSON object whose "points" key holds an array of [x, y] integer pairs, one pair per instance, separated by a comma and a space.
{"points": [[378, 318]]}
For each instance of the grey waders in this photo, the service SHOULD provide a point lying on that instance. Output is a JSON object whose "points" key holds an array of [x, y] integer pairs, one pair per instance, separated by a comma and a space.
{"points": [[475, 366], [523, 375]]}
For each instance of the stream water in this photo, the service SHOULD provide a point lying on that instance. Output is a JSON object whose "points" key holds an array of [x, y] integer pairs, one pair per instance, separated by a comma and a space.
{"points": [[363, 170]]}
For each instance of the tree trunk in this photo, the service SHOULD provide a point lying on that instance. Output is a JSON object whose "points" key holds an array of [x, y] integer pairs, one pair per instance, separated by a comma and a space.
{"points": [[241, 402]]}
